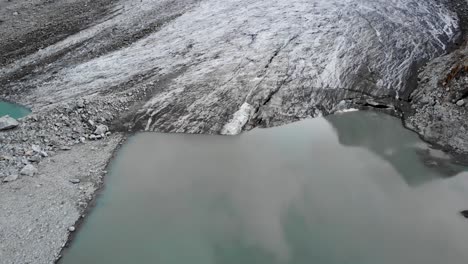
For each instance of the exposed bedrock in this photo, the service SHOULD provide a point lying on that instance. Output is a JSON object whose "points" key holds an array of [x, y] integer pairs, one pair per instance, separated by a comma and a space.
{"points": [[439, 107]]}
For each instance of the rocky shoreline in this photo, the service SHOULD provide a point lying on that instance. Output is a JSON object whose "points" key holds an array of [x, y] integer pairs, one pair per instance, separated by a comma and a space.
{"points": [[53, 162], [439, 106], [437, 109], [51, 166]]}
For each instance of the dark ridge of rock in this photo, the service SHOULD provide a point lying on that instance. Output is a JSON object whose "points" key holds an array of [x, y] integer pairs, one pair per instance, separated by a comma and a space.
{"points": [[437, 114]]}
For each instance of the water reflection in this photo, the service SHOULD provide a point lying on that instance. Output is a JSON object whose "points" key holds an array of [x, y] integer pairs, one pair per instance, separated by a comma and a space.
{"points": [[292, 194], [395, 144]]}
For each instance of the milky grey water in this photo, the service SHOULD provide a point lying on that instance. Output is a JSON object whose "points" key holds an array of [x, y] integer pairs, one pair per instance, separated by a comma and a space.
{"points": [[347, 189]]}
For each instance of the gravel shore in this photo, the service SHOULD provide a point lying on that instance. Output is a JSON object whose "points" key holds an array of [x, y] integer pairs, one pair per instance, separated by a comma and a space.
{"points": [[39, 212]]}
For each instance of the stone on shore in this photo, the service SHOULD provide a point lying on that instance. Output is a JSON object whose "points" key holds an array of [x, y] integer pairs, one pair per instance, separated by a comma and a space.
{"points": [[7, 122], [10, 178], [75, 181], [80, 103], [101, 130], [36, 148], [29, 170]]}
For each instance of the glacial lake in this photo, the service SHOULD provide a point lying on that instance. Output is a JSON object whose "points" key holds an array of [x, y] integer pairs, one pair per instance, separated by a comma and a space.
{"points": [[14, 110], [354, 188]]}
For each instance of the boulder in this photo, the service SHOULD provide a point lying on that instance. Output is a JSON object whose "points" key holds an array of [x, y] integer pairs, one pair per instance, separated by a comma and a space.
{"points": [[7, 122], [36, 148], [5, 157], [80, 103], [461, 103], [29, 170], [10, 178], [101, 129], [75, 181]]}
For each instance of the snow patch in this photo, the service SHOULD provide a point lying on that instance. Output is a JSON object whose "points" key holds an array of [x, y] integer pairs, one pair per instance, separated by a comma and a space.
{"points": [[347, 110], [239, 119]]}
